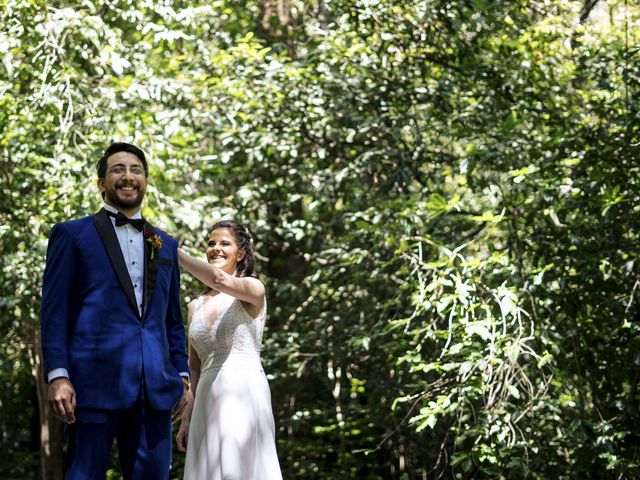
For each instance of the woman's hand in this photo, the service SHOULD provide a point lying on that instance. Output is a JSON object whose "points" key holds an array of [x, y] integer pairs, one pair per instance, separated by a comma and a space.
{"points": [[183, 435], [185, 423]]}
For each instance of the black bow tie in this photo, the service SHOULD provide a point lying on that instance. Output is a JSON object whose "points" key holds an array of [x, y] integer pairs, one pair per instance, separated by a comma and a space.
{"points": [[122, 219]]}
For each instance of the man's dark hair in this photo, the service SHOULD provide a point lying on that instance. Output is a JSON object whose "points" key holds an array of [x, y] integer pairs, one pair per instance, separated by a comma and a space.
{"points": [[116, 147]]}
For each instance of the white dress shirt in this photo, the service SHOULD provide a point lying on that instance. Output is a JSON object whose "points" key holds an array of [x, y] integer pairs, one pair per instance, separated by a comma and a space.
{"points": [[132, 247]]}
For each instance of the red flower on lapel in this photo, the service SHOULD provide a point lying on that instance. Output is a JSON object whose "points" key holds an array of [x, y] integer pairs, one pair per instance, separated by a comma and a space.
{"points": [[154, 241]]}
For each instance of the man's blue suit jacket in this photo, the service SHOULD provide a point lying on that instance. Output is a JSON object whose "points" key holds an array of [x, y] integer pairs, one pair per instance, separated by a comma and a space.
{"points": [[90, 323]]}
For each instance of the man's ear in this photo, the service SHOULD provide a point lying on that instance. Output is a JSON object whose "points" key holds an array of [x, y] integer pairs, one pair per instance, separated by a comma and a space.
{"points": [[100, 184]]}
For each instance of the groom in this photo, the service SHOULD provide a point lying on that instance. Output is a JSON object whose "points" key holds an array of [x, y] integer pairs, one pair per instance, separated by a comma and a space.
{"points": [[113, 339]]}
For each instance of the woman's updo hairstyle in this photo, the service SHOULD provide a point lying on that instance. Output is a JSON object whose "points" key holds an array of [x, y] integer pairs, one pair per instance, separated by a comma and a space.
{"points": [[246, 266]]}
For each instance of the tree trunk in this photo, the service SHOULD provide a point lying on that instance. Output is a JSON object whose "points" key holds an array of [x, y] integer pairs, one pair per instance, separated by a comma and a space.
{"points": [[51, 429], [586, 9]]}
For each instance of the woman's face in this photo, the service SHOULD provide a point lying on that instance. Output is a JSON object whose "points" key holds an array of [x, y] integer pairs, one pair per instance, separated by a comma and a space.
{"points": [[223, 251]]}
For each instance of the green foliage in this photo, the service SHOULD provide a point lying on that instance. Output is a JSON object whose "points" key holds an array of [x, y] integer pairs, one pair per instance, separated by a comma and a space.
{"points": [[444, 197]]}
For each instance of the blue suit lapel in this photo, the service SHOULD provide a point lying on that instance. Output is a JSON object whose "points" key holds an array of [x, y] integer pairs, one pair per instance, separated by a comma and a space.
{"points": [[150, 268], [111, 245]]}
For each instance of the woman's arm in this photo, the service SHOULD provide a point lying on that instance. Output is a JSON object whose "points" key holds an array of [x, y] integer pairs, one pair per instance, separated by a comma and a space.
{"points": [[194, 367], [247, 289], [195, 364], [194, 361]]}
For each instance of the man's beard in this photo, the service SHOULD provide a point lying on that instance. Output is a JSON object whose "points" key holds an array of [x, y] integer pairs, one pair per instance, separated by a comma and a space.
{"points": [[125, 204]]}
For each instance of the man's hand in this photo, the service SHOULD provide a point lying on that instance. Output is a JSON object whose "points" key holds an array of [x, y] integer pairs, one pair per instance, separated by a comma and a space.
{"points": [[62, 399]]}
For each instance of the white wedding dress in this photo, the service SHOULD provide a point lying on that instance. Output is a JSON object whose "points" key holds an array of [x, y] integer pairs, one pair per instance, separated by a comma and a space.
{"points": [[232, 431]]}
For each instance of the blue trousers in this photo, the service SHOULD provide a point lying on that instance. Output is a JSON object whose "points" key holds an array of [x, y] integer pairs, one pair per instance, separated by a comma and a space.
{"points": [[143, 438]]}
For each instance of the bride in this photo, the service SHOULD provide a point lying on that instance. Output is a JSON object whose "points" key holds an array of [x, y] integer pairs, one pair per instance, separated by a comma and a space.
{"points": [[227, 427]]}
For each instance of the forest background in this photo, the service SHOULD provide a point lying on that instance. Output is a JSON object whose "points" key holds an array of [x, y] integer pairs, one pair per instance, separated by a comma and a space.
{"points": [[444, 197]]}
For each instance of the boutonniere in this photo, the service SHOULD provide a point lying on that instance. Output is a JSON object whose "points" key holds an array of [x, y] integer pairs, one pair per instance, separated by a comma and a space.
{"points": [[154, 241]]}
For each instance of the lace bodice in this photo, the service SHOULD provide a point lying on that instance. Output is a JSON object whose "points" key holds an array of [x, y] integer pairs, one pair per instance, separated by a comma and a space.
{"points": [[222, 326]]}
